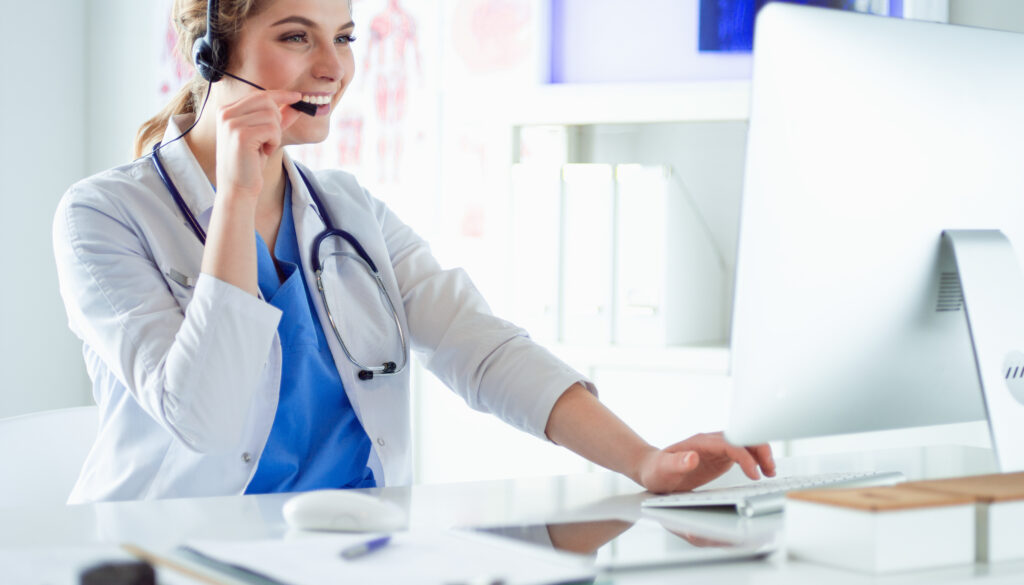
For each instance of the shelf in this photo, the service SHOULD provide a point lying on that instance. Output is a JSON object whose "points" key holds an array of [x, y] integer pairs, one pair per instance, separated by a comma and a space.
{"points": [[578, 104], [712, 359]]}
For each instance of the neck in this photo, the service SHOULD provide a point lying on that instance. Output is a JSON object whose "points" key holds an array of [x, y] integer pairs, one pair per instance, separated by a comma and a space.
{"points": [[202, 141]]}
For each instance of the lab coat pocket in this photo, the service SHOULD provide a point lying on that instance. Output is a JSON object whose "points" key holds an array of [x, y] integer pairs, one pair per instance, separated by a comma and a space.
{"points": [[180, 284]]}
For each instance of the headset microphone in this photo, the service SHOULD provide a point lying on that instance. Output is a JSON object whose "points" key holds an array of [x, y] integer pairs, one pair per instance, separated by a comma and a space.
{"points": [[304, 107], [210, 55]]}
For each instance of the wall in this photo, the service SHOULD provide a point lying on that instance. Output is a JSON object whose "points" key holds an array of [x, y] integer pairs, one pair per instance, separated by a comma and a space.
{"points": [[997, 14], [120, 93], [42, 151]]}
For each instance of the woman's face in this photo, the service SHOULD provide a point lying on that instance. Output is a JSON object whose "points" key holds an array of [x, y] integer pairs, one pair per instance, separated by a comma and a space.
{"points": [[297, 45]]}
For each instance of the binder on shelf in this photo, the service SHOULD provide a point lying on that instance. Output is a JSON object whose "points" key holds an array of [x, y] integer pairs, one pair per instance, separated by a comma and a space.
{"points": [[670, 276], [536, 225], [588, 192]]}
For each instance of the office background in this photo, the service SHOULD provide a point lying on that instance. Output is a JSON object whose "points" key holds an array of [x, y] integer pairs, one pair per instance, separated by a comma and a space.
{"points": [[482, 133]]}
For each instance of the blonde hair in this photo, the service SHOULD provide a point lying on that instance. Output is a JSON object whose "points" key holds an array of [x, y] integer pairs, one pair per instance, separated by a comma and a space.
{"points": [[189, 20]]}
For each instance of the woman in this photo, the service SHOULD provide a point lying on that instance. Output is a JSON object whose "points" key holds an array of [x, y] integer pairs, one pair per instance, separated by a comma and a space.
{"points": [[220, 369]]}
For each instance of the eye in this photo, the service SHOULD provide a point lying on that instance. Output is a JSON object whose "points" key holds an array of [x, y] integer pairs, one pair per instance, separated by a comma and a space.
{"points": [[298, 37], [345, 39]]}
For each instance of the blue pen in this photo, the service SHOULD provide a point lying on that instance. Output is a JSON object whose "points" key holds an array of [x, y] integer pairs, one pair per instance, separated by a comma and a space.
{"points": [[357, 550]]}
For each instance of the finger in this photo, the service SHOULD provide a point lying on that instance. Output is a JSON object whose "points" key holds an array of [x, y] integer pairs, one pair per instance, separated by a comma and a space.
{"points": [[669, 470], [282, 97], [289, 116], [745, 460], [685, 462], [763, 455], [252, 106]]}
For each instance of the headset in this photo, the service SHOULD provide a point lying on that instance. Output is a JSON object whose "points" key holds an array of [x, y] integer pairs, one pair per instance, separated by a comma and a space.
{"points": [[210, 55], [209, 52]]}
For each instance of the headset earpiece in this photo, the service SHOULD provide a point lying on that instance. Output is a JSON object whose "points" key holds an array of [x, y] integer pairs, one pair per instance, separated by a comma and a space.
{"points": [[203, 57], [208, 51]]}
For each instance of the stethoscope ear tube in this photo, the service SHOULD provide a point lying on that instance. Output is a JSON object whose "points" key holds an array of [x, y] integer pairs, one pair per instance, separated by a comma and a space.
{"points": [[178, 200], [318, 266]]}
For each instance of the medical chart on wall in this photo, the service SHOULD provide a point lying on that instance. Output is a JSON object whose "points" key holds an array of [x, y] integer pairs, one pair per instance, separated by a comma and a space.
{"points": [[385, 129], [492, 50]]}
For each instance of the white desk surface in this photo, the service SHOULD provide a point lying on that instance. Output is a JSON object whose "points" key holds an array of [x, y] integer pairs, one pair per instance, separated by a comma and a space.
{"points": [[161, 525]]}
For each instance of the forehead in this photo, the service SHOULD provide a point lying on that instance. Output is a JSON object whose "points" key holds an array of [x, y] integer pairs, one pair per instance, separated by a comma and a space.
{"points": [[326, 14]]}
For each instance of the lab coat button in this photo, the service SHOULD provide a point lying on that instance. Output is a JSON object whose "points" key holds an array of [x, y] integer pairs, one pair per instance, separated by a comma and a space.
{"points": [[380, 441], [246, 458]]}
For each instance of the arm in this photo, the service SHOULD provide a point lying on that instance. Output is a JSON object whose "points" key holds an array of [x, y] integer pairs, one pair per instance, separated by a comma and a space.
{"points": [[248, 133], [581, 423], [185, 368]]}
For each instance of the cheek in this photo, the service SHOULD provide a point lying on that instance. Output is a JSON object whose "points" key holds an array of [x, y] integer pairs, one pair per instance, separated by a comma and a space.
{"points": [[274, 71], [349, 64]]}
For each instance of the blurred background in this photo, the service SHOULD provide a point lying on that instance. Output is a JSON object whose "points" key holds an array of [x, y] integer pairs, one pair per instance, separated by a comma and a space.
{"points": [[581, 159]]}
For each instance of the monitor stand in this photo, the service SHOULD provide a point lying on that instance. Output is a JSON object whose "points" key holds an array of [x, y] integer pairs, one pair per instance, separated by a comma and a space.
{"points": [[992, 285]]}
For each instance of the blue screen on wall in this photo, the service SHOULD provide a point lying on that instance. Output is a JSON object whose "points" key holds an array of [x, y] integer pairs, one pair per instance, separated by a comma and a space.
{"points": [[728, 25]]}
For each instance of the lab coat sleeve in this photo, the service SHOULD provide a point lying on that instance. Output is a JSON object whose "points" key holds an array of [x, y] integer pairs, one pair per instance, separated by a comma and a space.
{"points": [[491, 363], [194, 371]]}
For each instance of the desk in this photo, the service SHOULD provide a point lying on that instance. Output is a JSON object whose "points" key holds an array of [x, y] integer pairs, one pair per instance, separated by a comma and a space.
{"points": [[161, 525]]}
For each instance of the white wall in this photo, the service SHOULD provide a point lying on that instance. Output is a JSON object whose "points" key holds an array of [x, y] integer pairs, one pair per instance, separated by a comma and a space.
{"points": [[997, 14], [42, 152], [72, 99], [121, 94]]}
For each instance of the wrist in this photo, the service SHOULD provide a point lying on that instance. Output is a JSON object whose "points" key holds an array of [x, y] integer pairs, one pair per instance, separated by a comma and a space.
{"points": [[642, 461], [234, 200]]}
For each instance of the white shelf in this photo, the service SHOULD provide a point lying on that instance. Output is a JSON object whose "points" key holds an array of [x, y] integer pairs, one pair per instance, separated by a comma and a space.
{"points": [[578, 104], [712, 359]]}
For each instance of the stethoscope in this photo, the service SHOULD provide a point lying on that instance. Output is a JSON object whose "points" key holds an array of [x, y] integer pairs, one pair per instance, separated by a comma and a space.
{"points": [[365, 372]]}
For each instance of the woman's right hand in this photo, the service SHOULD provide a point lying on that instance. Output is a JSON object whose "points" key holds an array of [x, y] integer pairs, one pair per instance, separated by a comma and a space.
{"points": [[248, 132]]}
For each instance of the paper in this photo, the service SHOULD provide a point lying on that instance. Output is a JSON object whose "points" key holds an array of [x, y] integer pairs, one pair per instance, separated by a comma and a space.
{"points": [[438, 557]]}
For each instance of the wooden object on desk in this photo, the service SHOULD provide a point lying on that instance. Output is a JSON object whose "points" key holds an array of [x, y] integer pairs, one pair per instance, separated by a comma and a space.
{"points": [[1000, 511], [880, 529]]}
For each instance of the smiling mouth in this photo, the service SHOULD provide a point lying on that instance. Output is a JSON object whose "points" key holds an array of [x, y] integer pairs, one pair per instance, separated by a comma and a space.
{"points": [[317, 100]]}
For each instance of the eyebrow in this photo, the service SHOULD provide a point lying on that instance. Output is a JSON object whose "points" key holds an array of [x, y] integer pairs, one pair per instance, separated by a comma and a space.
{"points": [[302, 20]]}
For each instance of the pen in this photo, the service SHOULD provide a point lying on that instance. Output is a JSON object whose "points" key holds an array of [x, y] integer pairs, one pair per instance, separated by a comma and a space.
{"points": [[357, 550]]}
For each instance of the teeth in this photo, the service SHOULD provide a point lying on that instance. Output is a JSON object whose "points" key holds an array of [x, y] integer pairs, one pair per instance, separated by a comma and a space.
{"points": [[317, 100]]}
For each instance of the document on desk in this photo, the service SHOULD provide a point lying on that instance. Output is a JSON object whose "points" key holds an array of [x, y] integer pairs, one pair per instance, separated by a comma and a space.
{"points": [[440, 557]]}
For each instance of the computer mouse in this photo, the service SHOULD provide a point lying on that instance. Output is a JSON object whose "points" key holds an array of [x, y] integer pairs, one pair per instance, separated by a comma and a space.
{"points": [[343, 510]]}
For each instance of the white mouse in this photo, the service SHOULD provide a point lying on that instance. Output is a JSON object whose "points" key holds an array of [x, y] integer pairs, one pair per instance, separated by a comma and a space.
{"points": [[343, 510]]}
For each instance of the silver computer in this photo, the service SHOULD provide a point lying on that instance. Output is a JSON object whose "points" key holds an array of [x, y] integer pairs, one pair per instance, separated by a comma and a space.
{"points": [[870, 138]]}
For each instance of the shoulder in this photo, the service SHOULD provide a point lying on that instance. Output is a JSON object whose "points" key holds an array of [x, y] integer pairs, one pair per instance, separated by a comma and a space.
{"points": [[125, 194], [113, 186]]}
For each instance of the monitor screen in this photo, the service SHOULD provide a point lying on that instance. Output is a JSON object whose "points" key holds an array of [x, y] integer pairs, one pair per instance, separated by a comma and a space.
{"points": [[869, 137]]}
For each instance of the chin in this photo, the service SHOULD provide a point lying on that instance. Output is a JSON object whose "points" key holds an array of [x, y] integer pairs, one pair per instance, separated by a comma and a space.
{"points": [[308, 137]]}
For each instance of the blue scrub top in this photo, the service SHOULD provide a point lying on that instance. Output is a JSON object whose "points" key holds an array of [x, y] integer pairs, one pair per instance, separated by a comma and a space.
{"points": [[316, 440]]}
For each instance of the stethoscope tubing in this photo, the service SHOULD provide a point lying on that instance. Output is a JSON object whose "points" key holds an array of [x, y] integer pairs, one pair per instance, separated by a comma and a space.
{"points": [[366, 372]]}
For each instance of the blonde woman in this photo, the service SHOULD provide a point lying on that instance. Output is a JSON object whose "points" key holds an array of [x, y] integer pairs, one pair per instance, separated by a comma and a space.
{"points": [[247, 322]]}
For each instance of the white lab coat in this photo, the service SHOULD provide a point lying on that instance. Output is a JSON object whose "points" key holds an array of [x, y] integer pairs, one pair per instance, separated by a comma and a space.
{"points": [[186, 368]]}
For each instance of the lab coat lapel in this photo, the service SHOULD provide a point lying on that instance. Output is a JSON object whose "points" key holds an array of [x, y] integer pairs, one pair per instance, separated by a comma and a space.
{"points": [[185, 171]]}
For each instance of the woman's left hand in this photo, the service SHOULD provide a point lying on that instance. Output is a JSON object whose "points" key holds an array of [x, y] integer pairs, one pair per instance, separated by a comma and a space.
{"points": [[698, 460]]}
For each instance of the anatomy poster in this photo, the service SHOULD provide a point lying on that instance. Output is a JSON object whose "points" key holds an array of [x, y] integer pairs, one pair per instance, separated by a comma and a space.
{"points": [[491, 56], [385, 128]]}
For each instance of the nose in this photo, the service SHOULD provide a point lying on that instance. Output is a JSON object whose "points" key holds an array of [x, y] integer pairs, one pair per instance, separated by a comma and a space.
{"points": [[328, 65]]}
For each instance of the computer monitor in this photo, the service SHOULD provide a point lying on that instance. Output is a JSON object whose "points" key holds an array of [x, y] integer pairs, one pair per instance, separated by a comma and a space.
{"points": [[869, 137]]}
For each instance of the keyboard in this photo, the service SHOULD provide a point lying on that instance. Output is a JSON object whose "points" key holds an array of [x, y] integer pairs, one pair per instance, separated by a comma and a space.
{"points": [[768, 496]]}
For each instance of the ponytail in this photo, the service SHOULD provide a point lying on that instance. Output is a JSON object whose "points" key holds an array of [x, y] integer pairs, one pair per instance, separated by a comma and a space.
{"points": [[153, 129], [189, 20]]}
